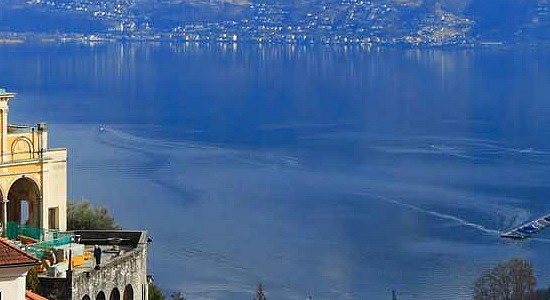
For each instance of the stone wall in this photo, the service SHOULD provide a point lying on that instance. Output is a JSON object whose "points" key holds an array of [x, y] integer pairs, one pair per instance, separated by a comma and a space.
{"points": [[125, 275], [122, 277]]}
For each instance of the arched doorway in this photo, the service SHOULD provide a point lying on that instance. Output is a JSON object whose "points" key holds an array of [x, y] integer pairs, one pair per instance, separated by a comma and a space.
{"points": [[115, 294], [128, 293], [23, 205], [100, 296]]}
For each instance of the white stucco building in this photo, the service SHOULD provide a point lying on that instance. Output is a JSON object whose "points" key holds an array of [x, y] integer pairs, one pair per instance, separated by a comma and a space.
{"points": [[14, 265]]}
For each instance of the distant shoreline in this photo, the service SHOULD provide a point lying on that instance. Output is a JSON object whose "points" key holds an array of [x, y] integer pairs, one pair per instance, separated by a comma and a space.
{"points": [[17, 38]]}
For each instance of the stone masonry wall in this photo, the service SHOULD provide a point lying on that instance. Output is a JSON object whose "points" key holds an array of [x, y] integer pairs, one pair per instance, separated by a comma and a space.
{"points": [[129, 268]]}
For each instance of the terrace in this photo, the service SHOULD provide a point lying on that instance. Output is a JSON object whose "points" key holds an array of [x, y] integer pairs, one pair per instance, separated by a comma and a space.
{"points": [[78, 246], [123, 262]]}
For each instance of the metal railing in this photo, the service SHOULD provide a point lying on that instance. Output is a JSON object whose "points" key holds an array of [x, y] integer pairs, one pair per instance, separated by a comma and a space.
{"points": [[42, 236], [46, 239], [38, 249], [14, 230]]}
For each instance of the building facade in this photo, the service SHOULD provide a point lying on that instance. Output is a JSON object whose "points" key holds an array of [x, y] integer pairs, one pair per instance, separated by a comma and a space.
{"points": [[33, 177]]}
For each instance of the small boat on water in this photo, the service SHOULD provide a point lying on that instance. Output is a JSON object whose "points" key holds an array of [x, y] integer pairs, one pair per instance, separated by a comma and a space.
{"points": [[514, 235], [540, 223], [527, 229], [101, 128]]}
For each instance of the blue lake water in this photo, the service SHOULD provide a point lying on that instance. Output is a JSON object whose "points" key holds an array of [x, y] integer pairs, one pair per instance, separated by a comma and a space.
{"points": [[335, 172]]}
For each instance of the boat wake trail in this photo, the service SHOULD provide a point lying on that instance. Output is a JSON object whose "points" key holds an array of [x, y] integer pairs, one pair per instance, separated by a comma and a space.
{"points": [[141, 141], [440, 215], [452, 218], [137, 143], [542, 240], [468, 149]]}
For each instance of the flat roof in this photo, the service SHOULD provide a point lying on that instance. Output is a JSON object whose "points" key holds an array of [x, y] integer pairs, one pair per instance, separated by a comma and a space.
{"points": [[3, 92]]}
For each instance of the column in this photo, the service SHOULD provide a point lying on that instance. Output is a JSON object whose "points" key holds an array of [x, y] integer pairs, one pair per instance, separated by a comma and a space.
{"points": [[5, 216], [4, 121], [5, 134], [40, 211]]}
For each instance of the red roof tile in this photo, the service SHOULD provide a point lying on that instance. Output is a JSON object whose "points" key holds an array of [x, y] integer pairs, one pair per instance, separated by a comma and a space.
{"points": [[11, 256], [32, 296]]}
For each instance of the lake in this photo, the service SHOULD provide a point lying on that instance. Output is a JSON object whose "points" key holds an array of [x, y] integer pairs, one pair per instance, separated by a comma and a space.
{"points": [[331, 172]]}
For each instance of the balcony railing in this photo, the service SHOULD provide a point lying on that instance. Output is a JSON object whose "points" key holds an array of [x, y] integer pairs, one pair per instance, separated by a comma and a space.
{"points": [[35, 240], [14, 231], [38, 249]]}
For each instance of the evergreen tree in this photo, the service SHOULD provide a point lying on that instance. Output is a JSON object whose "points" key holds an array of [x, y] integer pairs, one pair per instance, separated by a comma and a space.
{"points": [[155, 293]]}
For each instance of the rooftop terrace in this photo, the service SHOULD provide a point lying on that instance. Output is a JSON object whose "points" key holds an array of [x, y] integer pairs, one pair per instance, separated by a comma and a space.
{"points": [[122, 273], [114, 244]]}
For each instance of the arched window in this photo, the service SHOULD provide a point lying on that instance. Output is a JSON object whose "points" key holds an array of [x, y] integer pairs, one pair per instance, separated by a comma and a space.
{"points": [[86, 297], [128, 293], [115, 294], [100, 296]]}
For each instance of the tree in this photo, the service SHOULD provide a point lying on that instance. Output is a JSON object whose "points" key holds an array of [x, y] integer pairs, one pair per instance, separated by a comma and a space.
{"points": [[510, 280], [31, 282], [177, 296], [155, 293], [542, 294], [81, 215], [260, 294]]}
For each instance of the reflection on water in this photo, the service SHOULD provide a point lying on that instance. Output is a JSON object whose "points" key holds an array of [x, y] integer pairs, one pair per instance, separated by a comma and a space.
{"points": [[336, 172]]}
